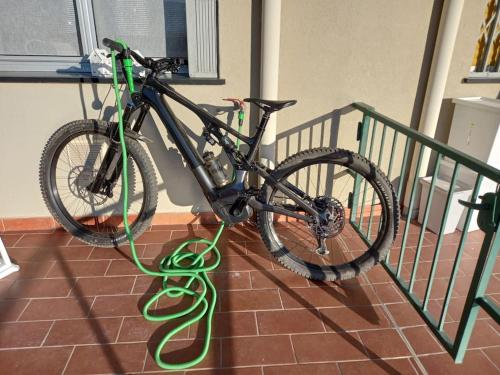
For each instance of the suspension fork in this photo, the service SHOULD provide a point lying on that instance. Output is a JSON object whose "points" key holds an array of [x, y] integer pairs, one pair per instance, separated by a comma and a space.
{"points": [[111, 166]]}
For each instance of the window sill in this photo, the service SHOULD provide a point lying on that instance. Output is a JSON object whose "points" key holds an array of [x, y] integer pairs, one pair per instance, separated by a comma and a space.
{"points": [[481, 80], [53, 77]]}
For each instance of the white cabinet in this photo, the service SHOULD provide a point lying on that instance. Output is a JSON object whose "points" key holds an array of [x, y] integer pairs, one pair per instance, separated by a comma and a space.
{"points": [[475, 130]]}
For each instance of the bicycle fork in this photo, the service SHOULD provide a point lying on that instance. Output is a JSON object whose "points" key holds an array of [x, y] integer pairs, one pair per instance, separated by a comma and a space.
{"points": [[111, 166]]}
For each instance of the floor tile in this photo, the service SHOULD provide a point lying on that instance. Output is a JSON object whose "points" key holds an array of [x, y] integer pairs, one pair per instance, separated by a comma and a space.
{"points": [[384, 343], [55, 239], [231, 280], [140, 329], [108, 285], [245, 263], [23, 334], [78, 268], [122, 252], [328, 297], [83, 331], [9, 240], [48, 254], [37, 288], [325, 347], [145, 284], [378, 367], [115, 358], [475, 362], [184, 350], [57, 308], [124, 267], [303, 369], [388, 293], [289, 321], [354, 318], [264, 299], [261, 350], [228, 371], [11, 309], [493, 354], [47, 361], [227, 324], [404, 314], [126, 305], [483, 334], [30, 270], [422, 340], [273, 278], [158, 236]]}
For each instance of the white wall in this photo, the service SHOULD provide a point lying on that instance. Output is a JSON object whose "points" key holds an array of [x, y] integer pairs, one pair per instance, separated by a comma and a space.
{"points": [[332, 53]]}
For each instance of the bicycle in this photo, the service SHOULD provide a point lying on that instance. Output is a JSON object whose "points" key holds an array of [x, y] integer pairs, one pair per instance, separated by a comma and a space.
{"points": [[304, 228]]}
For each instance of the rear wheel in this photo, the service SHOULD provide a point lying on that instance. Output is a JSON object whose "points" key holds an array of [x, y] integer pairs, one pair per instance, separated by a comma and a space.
{"points": [[68, 166], [330, 250]]}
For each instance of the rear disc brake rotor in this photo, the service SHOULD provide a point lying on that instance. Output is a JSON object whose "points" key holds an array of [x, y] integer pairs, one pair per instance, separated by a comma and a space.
{"points": [[331, 215]]}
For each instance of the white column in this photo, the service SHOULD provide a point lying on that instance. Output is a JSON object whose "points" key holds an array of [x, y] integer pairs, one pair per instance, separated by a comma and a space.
{"points": [[441, 61], [270, 55]]}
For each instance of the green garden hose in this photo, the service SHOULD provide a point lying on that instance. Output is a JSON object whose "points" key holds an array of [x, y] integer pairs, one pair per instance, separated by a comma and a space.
{"points": [[180, 263]]}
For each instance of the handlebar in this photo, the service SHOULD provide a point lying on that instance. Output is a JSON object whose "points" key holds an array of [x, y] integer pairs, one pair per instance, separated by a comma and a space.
{"points": [[111, 44], [170, 63]]}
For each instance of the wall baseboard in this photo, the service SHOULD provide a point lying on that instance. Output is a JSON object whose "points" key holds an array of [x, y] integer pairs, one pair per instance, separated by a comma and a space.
{"points": [[161, 218]]}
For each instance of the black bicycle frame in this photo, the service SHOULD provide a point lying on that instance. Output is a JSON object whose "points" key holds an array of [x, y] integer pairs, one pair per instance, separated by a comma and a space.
{"points": [[231, 201]]}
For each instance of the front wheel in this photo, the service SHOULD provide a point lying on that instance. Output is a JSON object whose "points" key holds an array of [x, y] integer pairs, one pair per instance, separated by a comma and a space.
{"points": [[330, 250], [68, 167]]}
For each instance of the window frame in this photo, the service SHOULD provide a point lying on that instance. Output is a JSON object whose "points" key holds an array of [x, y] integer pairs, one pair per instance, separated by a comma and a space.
{"points": [[197, 11], [484, 75]]}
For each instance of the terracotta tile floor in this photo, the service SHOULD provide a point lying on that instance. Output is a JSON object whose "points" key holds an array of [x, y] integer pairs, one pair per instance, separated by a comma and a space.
{"points": [[76, 309]]}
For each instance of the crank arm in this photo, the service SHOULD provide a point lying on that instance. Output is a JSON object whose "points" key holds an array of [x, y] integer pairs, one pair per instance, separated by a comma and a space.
{"points": [[252, 202]]}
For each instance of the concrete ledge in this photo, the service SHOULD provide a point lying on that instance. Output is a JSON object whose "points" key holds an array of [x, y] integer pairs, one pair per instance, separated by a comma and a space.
{"points": [[48, 223], [160, 218]]}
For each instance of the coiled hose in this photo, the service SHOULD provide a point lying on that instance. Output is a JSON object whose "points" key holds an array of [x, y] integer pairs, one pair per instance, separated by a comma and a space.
{"points": [[180, 263]]}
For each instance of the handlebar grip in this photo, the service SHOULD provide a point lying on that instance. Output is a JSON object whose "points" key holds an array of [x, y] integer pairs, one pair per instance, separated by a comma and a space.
{"points": [[180, 60], [111, 44]]}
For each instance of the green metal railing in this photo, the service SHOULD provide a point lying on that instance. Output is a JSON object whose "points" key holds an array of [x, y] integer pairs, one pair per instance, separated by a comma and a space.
{"points": [[488, 219]]}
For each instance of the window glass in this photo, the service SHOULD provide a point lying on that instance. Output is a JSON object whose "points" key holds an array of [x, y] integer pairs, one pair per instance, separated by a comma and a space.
{"points": [[47, 27], [487, 52], [156, 28]]}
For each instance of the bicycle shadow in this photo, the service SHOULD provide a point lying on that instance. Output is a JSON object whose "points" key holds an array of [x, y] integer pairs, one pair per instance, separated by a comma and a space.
{"points": [[180, 186], [190, 345], [85, 303]]}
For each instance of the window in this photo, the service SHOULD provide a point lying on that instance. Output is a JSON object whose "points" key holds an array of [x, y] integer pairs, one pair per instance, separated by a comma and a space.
{"points": [[40, 38], [486, 59]]}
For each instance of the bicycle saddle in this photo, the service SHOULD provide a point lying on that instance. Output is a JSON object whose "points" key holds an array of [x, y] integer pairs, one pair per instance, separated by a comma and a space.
{"points": [[270, 105]]}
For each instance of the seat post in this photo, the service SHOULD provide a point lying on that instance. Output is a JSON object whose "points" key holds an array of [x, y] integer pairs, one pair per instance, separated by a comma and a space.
{"points": [[264, 120], [258, 135]]}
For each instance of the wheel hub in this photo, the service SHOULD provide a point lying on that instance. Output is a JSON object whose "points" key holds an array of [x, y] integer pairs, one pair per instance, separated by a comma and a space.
{"points": [[78, 180], [331, 217]]}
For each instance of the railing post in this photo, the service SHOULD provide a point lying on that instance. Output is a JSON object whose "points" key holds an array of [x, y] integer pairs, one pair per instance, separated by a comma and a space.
{"points": [[365, 189], [379, 161], [479, 283], [439, 242], [408, 218], [424, 223], [458, 257], [362, 137]]}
